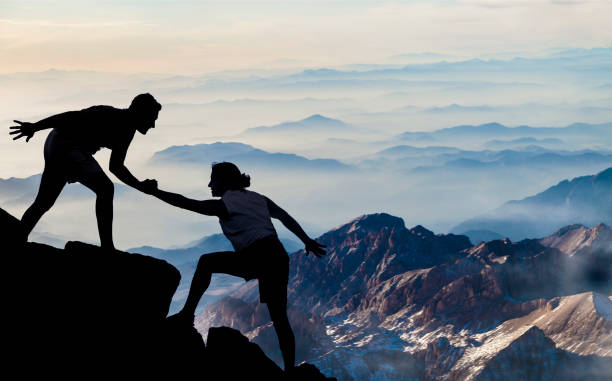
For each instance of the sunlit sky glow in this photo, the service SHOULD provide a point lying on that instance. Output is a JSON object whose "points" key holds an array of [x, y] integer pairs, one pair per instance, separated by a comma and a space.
{"points": [[181, 36]]}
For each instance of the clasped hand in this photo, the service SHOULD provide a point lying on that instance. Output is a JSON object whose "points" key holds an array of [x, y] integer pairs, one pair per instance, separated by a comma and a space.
{"points": [[148, 186]]}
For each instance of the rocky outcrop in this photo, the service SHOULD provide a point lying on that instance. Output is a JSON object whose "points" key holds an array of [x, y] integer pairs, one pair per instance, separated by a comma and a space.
{"points": [[361, 255], [83, 312], [533, 356]]}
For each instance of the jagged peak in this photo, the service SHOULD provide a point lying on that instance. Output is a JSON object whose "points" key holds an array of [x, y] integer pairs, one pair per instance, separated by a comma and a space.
{"points": [[371, 222], [421, 231], [319, 118], [601, 227], [570, 239], [498, 246], [567, 232], [583, 303], [564, 230]]}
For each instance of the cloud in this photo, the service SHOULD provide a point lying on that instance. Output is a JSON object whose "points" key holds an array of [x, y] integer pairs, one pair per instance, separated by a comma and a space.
{"points": [[55, 24], [189, 36]]}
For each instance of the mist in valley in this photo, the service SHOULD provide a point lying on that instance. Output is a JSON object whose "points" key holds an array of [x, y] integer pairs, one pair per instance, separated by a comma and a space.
{"points": [[377, 127]]}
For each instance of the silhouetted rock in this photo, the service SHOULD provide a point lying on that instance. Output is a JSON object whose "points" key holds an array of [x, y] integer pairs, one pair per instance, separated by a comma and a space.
{"points": [[226, 345], [84, 312]]}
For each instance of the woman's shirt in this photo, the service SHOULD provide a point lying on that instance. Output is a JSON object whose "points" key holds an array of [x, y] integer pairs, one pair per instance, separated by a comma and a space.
{"points": [[248, 220]]}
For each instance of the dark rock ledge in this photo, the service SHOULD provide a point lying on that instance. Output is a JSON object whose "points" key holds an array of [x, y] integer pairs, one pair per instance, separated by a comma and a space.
{"points": [[82, 312]]}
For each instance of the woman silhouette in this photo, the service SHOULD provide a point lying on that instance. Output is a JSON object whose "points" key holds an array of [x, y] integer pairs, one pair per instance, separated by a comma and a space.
{"points": [[245, 219]]}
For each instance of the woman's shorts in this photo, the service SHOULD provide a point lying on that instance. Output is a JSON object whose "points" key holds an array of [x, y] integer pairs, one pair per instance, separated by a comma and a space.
{"points": [[267, 261]]}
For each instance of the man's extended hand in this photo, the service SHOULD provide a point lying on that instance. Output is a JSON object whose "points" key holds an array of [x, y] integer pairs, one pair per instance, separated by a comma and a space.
{"points": [[316, 248], [148, 186], [24, 129]]}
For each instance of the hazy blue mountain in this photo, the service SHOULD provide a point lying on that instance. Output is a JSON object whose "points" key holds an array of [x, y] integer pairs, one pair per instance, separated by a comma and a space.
{"points": [[453, 108], [496, 131], [408, 151], [314, 123], [419, 57], [191, 252], [433, 159], [585, 200], [242, 155], [15, 190], [48, 239], [578, 62], [519, 142], [528, 159], [477, 236]]}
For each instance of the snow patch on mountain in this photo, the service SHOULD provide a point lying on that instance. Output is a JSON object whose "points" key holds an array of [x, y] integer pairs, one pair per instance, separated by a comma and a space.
{"points": [[603, 305]]}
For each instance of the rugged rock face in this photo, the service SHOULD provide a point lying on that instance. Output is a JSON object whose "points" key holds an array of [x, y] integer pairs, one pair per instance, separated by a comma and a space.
{"points": [[83, 312], [363, 254], [394, 303]]}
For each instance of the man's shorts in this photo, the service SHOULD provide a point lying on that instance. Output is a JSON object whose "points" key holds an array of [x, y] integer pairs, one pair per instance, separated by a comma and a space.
{"points": [[64, 158], [266, 260]]}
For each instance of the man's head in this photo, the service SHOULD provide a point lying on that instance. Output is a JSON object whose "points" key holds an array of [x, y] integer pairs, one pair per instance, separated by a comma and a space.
{"points": [[145, 110]]}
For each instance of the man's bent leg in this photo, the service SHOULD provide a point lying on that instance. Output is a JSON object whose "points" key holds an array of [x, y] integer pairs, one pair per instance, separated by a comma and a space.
{"points": [[51, 185], [286, 338], [104, 189]]}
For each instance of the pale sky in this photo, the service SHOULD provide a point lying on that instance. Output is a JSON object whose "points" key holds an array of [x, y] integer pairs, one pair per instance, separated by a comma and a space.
{"points": [[180, 36]]}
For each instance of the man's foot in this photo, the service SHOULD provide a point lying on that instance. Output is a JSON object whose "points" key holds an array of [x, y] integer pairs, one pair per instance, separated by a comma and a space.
{"points": [[21, 236], [109, 248]]}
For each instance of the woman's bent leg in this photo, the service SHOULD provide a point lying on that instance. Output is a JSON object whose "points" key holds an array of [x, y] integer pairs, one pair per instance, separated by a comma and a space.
{"points": [[219, 262]]}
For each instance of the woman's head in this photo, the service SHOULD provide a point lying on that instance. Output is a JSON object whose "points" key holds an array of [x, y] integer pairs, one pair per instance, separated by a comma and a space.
{"points": [[226, 176]]}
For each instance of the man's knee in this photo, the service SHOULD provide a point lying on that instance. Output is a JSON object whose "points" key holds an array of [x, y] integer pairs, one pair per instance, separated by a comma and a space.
{"points": [[43, 202]]}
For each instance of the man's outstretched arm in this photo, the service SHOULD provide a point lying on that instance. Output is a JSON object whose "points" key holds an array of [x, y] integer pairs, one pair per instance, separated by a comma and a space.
{"points": [[118, 168], [293, 226], [206, 207], [28, 129]]}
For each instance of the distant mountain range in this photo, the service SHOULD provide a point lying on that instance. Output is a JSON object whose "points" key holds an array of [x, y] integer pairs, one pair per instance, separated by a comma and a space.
{"points": [[16, 190], [242, 155], [585, 200], [521, 142], [433, 159], [598, 60], [391, 303], [496, 131], [313, 124]]}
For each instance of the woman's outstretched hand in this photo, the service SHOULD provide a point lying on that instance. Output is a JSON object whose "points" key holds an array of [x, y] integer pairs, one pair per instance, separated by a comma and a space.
{"points": [[24, 129], [316, 248]]}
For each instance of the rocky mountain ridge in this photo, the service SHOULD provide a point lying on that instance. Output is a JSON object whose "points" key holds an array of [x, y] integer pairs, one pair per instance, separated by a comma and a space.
{"points": [[393, 303]]}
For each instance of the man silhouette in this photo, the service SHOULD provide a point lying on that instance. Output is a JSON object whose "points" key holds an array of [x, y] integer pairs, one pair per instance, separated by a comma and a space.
{"points": [[69, 150]]}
